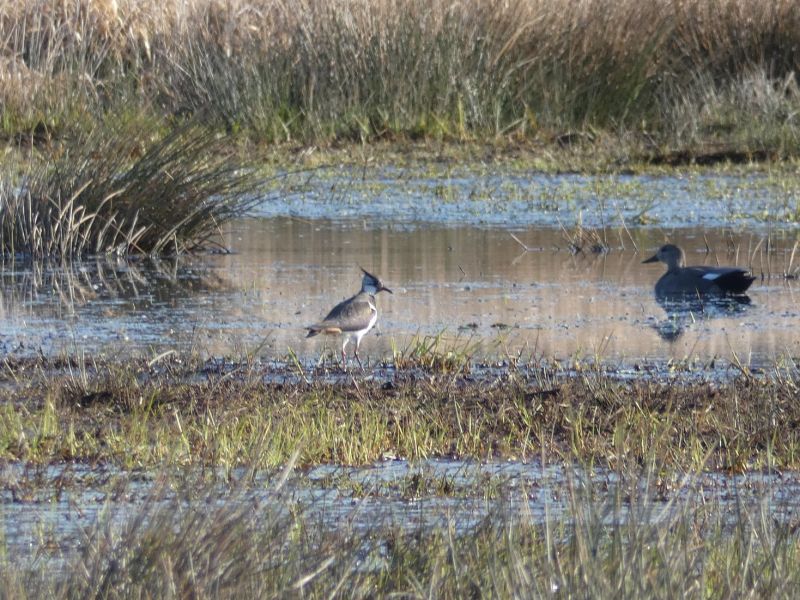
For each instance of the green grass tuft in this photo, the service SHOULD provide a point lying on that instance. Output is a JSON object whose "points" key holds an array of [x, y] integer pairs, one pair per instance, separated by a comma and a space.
{"points": [[131, 188]]}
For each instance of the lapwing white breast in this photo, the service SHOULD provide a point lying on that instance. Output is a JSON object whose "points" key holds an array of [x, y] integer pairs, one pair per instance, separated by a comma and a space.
{"points": [[354, 317]]}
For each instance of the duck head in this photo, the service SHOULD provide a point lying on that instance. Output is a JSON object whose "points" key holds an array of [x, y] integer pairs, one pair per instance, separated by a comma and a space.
{"points": [[670, 254]]}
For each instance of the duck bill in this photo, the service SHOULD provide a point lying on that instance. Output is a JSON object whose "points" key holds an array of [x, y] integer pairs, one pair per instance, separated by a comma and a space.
{"points": [[652, 259]]}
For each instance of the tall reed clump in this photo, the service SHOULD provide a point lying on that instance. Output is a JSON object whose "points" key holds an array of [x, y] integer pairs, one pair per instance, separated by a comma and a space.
{"points": [[132, 188], [669, 71]]}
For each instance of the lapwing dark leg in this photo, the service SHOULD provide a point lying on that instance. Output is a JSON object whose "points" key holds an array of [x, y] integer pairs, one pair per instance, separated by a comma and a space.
{"points": [[355, 353]]}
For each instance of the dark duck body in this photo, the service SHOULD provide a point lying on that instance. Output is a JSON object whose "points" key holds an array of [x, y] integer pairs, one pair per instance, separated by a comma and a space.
{"points": [[680, 280]]}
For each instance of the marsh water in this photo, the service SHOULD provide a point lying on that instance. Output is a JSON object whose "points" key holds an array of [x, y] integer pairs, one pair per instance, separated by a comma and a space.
{"points": [[46, 514], [475, 286]]}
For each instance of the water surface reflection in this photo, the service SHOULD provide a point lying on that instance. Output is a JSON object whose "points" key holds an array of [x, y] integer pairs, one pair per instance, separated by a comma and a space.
{"points": [[468, 281]]}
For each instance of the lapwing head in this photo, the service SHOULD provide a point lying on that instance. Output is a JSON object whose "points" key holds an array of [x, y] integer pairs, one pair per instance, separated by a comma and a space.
{"points": [[670, 254], [371, 284]]}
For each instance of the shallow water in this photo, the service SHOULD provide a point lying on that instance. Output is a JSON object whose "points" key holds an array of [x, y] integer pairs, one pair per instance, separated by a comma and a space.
{"points": [[475, 284], [47, 514], [446, 192]]}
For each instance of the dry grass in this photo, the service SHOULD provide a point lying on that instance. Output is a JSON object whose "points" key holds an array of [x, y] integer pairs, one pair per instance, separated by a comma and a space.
{"points": [[130, 188], [686, 73]]}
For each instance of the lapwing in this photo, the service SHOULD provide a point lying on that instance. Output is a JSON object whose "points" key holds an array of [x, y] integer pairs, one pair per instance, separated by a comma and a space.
{"points": [[697, 281], [354, 317]]}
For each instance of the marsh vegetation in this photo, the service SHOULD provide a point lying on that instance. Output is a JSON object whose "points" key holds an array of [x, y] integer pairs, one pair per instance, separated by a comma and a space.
{"points": [[144, 416], [713, 78], [618, 542], [222, 449], [124, 189], [131, 127], [145, 127]]}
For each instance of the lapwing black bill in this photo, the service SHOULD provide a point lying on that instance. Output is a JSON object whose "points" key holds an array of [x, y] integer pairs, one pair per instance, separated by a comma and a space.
{"points": [[697, 281], [354, 317]]}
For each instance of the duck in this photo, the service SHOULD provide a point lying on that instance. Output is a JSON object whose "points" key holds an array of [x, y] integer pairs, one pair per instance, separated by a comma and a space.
{"points": [[697, 281]]}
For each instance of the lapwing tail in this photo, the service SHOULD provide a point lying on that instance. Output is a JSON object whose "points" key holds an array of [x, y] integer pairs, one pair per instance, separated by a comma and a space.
{"points": [[327, 329]]}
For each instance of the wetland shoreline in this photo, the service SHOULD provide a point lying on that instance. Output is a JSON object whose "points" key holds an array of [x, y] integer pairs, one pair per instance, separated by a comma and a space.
{"points": [[667, 468], [134, 415]]}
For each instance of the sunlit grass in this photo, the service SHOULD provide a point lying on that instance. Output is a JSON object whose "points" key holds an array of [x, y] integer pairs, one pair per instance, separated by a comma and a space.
{"points": [[436, 353], [128, 188], [136, 417], [625, 533], [653, 79]]}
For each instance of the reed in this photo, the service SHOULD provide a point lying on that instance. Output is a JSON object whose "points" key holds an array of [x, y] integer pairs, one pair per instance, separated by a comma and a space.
{"points": [[673, 75], [131, 188]]}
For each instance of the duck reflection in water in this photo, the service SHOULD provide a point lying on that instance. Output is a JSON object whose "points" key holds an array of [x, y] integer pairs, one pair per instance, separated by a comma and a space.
{"points": [[683, 311], [688, 293]]}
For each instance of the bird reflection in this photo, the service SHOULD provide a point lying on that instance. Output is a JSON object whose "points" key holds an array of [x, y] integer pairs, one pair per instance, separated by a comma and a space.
{"points": [[684, 310]]}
